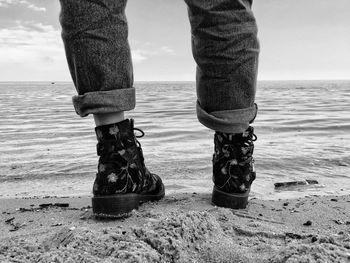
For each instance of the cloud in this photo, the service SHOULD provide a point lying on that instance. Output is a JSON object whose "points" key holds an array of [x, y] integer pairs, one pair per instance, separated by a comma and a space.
{"points": [[31, 34], [148, 50], [29, 47], [34, 50], [139, 55], [26, 3], [167, 50]]}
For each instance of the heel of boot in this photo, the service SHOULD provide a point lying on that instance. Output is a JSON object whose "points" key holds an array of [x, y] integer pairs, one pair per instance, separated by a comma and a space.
{"points": [[114, 206], [230, 200]]}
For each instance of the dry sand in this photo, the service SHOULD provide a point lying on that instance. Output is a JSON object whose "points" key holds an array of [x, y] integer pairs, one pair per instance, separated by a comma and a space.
{"points": [[180, 228]]}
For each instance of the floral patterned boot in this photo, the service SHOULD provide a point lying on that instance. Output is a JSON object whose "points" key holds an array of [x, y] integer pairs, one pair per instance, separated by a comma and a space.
{"points": [[122, 181], [233, 168]]}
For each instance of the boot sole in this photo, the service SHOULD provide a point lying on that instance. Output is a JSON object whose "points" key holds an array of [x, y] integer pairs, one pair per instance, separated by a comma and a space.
{"points": [[230, 200], [121, 205]]}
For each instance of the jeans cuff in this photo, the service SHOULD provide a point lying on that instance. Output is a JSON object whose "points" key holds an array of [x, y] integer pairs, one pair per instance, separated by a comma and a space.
{"points": [[104, 101], [227, 121]]}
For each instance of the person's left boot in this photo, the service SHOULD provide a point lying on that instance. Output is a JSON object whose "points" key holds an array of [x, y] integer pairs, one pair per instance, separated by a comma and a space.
{"points": [[233, 168], [122, 181]]}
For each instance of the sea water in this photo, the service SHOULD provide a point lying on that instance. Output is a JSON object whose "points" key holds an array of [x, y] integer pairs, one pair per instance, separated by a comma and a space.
{"points": [[303, 130]]}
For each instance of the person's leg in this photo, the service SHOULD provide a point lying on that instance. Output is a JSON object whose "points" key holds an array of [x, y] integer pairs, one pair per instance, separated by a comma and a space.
{"points": [[226, 48], [95, 35], [108, 118]]}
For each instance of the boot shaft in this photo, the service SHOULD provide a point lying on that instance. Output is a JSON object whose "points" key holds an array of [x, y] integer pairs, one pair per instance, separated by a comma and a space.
{"points": [[121, 167], [233, 163], [114, 137]]}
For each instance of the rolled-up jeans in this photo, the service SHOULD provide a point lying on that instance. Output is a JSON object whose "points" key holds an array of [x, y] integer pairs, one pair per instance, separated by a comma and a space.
{"points": [[224, 45]]}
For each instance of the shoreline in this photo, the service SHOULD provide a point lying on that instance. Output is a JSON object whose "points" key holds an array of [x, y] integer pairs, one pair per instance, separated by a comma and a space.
{"points": [[81, 186], [180, 228]]}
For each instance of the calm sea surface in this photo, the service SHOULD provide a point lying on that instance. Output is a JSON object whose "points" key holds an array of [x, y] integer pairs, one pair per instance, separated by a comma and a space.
{"points": [[303, 131]]}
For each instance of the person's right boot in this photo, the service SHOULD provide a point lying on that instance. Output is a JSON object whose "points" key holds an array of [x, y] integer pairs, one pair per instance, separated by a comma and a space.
{"points": [[233, 168], [122, 181]]}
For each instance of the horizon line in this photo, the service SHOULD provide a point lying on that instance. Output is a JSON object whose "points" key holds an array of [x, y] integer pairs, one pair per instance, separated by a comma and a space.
{"points": [[136, 81]]}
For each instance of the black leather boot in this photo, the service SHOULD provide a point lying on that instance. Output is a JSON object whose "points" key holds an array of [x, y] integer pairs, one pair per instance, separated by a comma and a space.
{"points": [[122, 181]]}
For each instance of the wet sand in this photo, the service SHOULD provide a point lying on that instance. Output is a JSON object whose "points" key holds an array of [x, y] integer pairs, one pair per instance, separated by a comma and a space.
{"points": [[180, 228]]}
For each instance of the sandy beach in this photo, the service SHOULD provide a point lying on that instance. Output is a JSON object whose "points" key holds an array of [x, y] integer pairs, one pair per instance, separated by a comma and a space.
{"points": [[180, 228]]}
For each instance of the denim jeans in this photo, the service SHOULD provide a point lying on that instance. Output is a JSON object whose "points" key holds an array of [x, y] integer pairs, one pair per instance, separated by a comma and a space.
{"points": [[224, 44]]}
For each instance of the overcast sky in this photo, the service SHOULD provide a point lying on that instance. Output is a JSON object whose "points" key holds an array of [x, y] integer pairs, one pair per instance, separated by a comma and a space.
{"points": [[300, 39]]}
